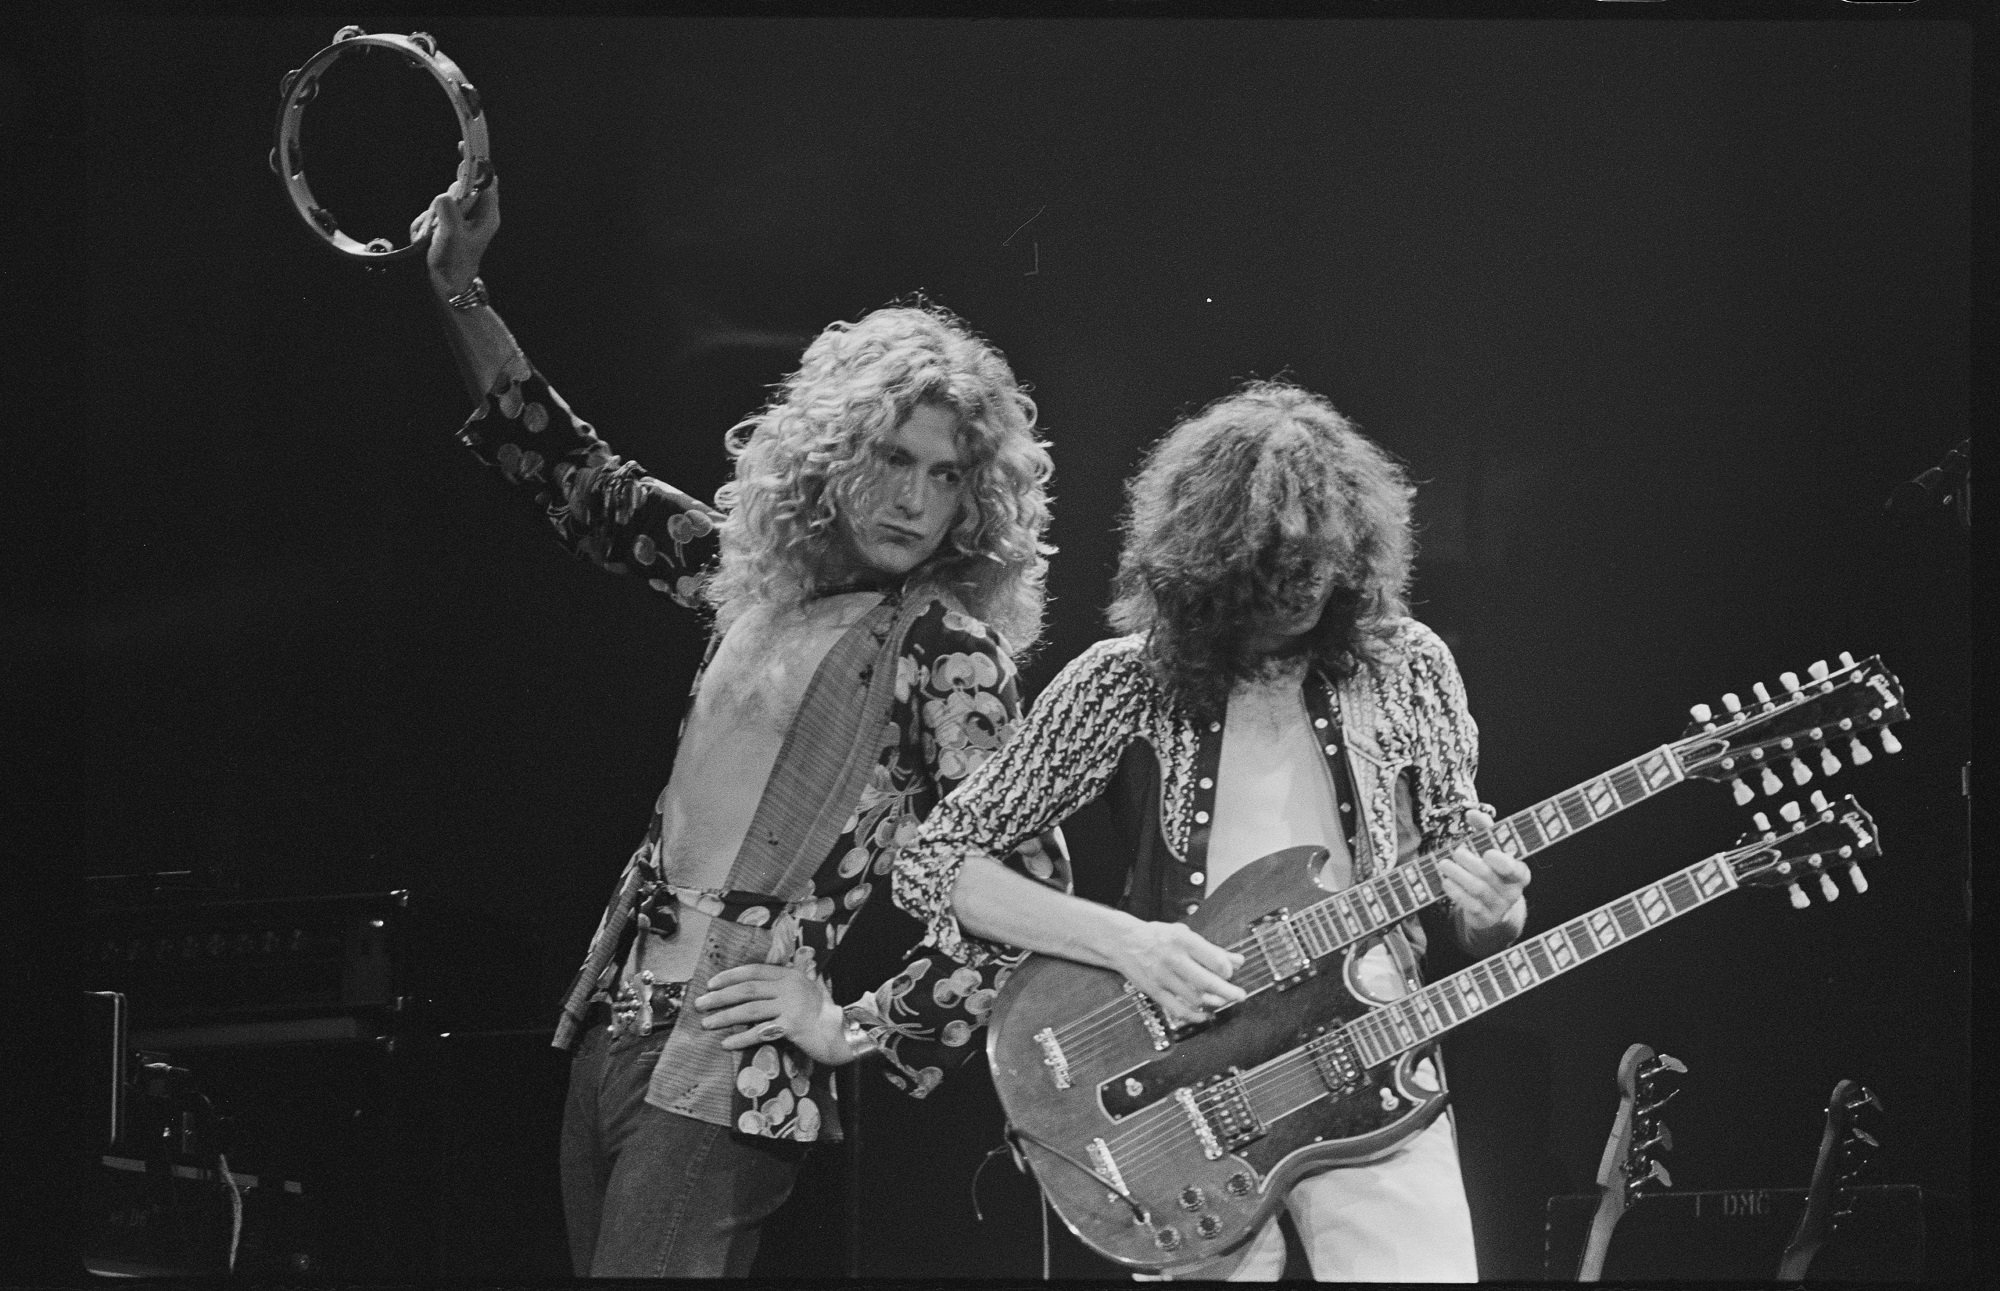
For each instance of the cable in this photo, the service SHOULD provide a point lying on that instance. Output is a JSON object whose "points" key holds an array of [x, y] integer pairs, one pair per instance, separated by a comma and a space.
{"points": [[235, 1207]]}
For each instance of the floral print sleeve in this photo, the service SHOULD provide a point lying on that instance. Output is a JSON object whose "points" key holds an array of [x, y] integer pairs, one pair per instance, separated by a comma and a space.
{"points": [[601, 506], [963, 702]]}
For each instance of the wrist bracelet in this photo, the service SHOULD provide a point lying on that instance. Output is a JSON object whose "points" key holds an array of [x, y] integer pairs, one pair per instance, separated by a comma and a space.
{"points": [[860, 1039], [473, 297]]}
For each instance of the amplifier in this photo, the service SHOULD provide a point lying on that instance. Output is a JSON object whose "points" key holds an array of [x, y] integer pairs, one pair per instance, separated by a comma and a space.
{"points": [[209, 973], [1896, 1233]]}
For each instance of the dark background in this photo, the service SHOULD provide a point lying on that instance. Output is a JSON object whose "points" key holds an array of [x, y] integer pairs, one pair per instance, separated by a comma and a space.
{"points": [[1657, 312]]}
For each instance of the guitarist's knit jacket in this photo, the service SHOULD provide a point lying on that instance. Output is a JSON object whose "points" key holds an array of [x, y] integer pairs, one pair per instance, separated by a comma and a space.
{"points": [[1397, 737]]}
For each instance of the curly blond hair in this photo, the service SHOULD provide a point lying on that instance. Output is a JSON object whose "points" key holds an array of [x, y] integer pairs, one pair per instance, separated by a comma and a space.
{"points": [[805, 454], [1233, 512]]}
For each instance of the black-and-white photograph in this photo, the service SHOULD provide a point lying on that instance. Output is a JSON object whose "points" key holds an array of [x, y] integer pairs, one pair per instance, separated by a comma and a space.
{"points": [[879, 642]]}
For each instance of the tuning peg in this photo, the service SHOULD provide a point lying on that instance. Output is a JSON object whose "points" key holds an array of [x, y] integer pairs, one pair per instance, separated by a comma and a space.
{"points": [[1790, 813], [1761, 821], [1799, 899], [1856, 879], [1828, 888], [1772, 786], [1818, 670], [1890, 744], [1732, 703], [1659, 1174], [1819, 802], [1763, 695], [1846, 660], [1858, 753], [1800, 772], [1828, 763], [1744, 793], [1790, 681], [1703, 714]]}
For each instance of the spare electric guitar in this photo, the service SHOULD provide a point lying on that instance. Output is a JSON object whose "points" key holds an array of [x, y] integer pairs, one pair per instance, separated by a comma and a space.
{"points": [[1845, 1148], [1629, 1169], [1155, 1168]]}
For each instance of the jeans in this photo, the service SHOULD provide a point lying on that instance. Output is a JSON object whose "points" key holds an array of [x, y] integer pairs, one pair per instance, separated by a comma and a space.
{"points": [[651, 1194]]}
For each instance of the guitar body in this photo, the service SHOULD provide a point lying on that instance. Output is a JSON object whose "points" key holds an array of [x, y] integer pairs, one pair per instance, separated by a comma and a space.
{"points": [[1092, 1093]]}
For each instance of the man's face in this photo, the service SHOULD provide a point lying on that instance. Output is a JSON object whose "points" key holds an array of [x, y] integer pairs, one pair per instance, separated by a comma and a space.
{"points": [[1284, 626], [907, 498]]}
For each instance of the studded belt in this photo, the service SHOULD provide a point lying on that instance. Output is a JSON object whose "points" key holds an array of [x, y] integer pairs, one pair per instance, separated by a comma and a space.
{"points": [[645, 1007]]}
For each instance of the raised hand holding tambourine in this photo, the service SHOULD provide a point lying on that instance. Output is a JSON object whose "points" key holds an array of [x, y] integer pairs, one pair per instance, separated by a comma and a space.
{"points": [[475, 169]]}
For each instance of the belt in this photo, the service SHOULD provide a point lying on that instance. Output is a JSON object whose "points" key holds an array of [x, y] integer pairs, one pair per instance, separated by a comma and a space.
{"points": [[651, 1006]]}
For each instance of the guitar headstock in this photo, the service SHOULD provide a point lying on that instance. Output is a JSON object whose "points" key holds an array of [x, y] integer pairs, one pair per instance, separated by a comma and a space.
{"points": [[1845, 1149], [1806, 842], [1647, 1082], [1850, 1112], [1768, 740]]}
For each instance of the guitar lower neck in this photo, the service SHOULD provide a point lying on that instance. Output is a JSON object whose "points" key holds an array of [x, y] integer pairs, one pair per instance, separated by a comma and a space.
{"points": [[1294, 1079]]}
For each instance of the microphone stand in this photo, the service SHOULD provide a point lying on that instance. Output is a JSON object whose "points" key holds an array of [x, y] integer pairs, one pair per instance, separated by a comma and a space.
{"points": [[1948, 484]]}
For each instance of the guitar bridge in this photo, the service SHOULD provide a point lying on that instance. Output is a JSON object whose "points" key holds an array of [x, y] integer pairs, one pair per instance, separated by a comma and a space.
{"points": [[1107, 1169], [1286, 955], [1052, 1056], [1149, 1014]]}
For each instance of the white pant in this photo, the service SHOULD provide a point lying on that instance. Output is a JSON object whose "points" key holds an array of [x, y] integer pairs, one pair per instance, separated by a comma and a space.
{"points": [[1400, 1219]]}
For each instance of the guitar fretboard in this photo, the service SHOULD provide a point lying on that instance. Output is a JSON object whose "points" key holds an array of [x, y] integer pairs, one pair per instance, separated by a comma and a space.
{"points": [[1291, 1081], [1396, 894]]}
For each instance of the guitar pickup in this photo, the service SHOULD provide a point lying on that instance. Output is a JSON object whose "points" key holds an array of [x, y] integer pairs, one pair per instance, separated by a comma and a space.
{"points": [[1335, 1062], [1053, 1057], [1286, 955], [1221, 1114]]}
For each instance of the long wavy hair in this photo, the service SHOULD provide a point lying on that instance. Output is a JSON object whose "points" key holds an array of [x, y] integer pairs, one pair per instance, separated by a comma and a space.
{"points": [[806, 454], [1234, 514]]}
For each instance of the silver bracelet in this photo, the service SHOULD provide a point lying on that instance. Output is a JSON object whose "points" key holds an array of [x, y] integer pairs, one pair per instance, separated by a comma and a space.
{"points": [[473, 297], [860, 1039]]}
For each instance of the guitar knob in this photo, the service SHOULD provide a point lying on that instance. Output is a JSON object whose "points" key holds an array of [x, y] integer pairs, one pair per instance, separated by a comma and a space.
{"points": [[1858, 753], [1800, 772], [1799, 899], [1772, 785], [1744, 793], [1790, 813], [1818, 670], [1191, 1198], [1790, 681], [1208, 1226], [1828, 764], [1238, 1184], [1167, 1239], [1856, 879], [1890, 744], [1828, 888], [1733, 704]]}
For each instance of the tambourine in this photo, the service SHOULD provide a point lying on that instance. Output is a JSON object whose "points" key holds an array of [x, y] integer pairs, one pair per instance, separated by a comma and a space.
{"points": [[299, 87]]}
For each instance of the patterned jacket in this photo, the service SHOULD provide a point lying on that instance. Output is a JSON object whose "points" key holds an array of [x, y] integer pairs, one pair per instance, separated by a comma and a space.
{"points": [[907, 702], [1397, 736]]}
